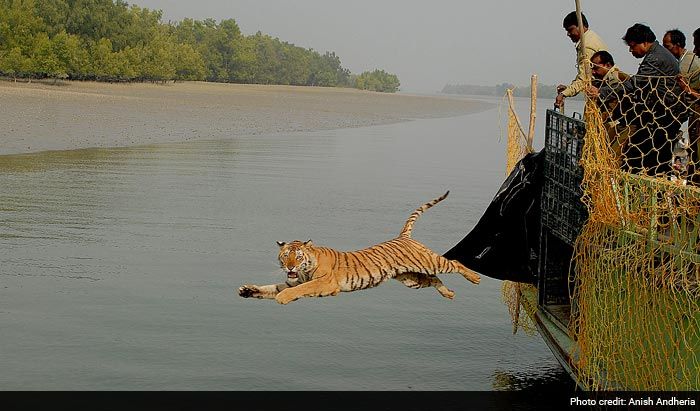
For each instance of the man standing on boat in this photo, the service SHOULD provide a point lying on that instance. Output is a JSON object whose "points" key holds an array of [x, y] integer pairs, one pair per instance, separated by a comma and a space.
{"points": [[674, 41], [657, 106], [593, 43], [607, 90], [694, 92]]}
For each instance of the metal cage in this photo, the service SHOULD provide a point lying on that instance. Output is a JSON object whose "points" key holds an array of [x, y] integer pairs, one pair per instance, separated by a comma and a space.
{"points": [[563, 213]]}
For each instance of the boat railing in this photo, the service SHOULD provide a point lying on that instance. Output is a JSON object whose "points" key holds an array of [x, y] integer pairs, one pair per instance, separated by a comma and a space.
{"points": [[665, 215]]}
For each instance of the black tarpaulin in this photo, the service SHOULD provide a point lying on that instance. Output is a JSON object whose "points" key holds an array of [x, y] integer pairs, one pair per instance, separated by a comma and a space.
{"points": [[504, 244]]}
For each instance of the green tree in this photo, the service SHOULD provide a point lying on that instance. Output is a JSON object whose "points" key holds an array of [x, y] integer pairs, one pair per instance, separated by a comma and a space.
{"points": [[378, 80], [14, 63], [18, 25], [131, 61], [158, 62], [245, 61], [45, 63], [71, 55], [184, 32], [87, 18], [267, 59], [111, 40], [136, 27], [54, 14], [211, 44], [296, 65], [104, 64], [188, 63]]}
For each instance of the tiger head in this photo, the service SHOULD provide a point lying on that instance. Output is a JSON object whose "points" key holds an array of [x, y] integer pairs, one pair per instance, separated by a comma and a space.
{"points": [[297, 260]]}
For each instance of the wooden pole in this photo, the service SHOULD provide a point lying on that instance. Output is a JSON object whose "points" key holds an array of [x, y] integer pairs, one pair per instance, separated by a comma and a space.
{"points": [[533, 112], [582, 43]]}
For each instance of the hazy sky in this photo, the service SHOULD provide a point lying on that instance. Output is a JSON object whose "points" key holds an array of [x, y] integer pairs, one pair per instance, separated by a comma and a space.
{"points": [[431, 43]]}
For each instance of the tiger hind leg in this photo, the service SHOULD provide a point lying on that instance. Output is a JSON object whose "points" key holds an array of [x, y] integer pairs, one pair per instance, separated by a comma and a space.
{"points": [[420, 280], [454, 266], [466, 272]]}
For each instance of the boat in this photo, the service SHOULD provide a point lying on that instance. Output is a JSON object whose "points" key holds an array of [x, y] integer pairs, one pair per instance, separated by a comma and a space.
{"points": [[616, 298], [602, 262]]}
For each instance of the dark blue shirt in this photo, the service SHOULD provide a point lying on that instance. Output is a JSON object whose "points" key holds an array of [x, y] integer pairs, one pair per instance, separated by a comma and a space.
{"points": [[655, 79], [658, 62]]}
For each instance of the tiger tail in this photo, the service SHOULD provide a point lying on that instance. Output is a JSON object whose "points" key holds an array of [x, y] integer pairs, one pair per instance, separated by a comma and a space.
{"points": [[408, 227]]}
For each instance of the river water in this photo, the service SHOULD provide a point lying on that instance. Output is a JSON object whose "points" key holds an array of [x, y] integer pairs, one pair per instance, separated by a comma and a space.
{"points": [[119, 267]]}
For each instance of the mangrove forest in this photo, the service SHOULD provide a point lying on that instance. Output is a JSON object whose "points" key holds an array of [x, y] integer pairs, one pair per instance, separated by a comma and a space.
{"points": [[105, 40]]}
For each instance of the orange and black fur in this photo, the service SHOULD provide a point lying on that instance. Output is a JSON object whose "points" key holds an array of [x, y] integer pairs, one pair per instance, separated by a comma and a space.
{"points": [[319, 271]]}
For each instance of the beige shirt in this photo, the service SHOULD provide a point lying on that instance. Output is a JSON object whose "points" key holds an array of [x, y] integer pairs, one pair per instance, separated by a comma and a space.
{"points": [[690, 69], [593, 44], [614, 77]]}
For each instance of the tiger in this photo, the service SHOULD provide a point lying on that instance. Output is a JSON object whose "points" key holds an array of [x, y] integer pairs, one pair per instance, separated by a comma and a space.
{"points": [[314, 271]]}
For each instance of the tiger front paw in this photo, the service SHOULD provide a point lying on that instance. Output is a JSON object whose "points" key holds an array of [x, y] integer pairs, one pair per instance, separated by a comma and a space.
{"points": [[248, 291], [285, 297]]}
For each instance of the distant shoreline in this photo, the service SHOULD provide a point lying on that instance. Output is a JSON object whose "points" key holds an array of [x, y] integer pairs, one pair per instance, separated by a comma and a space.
{"points": [[74, 115]]}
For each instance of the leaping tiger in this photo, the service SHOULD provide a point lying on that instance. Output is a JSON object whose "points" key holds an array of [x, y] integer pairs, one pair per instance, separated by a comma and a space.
{"points": [[320, 271]]}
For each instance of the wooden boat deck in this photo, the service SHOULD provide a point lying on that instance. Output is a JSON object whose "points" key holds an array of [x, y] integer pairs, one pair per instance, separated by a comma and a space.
{"points": [[560, 313]]}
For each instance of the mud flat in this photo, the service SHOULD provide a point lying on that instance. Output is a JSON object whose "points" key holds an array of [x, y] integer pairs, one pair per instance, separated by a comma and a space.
{"points": [[73, 115]]}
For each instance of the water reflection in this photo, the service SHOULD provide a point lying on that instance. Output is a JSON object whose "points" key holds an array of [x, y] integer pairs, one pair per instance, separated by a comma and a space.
{"points": [[546, 378], [42, 161]]}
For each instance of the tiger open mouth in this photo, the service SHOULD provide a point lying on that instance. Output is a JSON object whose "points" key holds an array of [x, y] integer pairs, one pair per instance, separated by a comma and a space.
{"points": [[292, 275]]}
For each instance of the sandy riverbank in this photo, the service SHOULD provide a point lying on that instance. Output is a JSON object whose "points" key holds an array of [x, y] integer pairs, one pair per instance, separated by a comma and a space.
{"points": [[40, 117]]}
